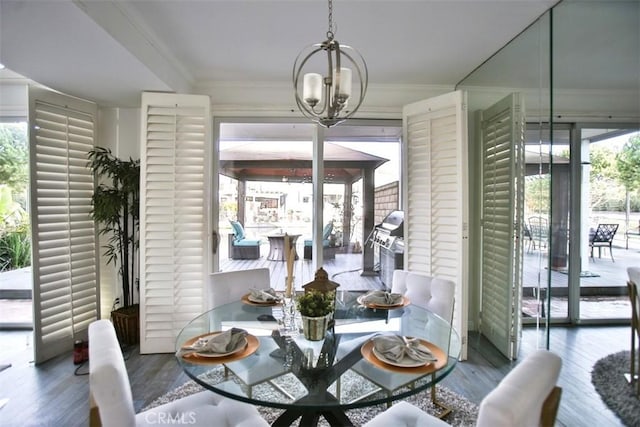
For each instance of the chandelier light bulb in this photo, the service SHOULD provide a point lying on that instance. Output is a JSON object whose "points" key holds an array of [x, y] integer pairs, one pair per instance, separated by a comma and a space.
{"points": [[345, 83], [312, 89]]}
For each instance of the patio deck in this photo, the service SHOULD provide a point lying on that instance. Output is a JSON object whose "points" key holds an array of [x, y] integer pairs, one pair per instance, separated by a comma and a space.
{"points": [[602, 296]]}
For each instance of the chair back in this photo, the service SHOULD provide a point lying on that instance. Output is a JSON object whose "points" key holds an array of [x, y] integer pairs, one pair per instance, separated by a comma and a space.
{"points": [[539, 229], [108, 380], [229, 286], [634, 298], [432, 293], [527, 396], [604, 233], [238, 230]]}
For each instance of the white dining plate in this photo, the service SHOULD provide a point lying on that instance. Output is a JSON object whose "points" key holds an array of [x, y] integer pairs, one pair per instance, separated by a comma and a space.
{"points": [[242, 344], [260, 301], [361, 301], [406, 362]]}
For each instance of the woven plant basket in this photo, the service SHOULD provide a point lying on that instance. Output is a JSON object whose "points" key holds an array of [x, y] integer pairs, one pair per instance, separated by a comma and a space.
{"points": [[126, 321]]}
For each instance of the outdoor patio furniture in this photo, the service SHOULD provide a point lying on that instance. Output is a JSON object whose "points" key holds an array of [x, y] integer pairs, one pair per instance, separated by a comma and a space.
{"points": [[528, 238], [327, 251], [602, 237], [539, 231], [239, 246]]}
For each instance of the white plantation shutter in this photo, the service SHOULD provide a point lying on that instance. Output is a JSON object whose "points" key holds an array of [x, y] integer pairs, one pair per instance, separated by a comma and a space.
{"points": [[176, 134], [435, 196], [64, 264], [502, 133]]}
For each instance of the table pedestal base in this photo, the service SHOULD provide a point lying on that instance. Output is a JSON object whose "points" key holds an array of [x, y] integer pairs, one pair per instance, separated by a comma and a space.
{"points": [[334, 417]]}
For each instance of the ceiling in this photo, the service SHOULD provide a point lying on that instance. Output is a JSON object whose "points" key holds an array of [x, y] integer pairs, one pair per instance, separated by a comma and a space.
{"points": [[110, 51]]}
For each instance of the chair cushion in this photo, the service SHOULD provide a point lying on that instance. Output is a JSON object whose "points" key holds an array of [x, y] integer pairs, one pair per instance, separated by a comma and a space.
{"points": [[326, 231], [432, 293], [404, 414], [238, 230], [202, 409], [246, 242], [518, 399], [205, 408]]}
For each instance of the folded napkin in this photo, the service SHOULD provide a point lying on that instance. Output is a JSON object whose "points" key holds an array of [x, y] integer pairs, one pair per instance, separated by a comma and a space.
{"points": [[222, 343], [382, 298], [395, 348], [263, 295]]}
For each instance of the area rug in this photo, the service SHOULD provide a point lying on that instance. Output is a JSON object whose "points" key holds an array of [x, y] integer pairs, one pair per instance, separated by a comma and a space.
{"points": [[608, 378], [464, 412]]}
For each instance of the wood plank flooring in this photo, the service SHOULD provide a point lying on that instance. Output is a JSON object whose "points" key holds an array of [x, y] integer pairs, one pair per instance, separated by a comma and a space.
{"points": [[51, 395]]}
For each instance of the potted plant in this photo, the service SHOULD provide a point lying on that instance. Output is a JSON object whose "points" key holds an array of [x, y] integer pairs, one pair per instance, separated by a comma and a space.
{"points": [[315, 308], [115, 208]]}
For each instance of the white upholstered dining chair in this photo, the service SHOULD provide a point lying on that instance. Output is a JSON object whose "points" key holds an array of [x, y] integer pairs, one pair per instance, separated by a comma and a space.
{"points": [[112, 403], [528, 396], [229, 286], [431, 293]]}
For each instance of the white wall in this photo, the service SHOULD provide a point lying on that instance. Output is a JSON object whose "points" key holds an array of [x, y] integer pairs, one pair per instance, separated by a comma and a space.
{"points": [[13, 99], [118, 130]]}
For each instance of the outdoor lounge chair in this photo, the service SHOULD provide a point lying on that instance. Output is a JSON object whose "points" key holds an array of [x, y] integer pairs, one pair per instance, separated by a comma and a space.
{"points": [[239, 246], [538, 231], [602, 238], [328, 252]]}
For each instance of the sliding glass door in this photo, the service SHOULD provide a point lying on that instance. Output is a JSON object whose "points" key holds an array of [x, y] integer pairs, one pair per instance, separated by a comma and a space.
{"points": [[266, 184]]}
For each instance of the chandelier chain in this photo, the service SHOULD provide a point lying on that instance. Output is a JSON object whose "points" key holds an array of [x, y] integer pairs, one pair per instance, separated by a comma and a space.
{"points": [[331, 29]]}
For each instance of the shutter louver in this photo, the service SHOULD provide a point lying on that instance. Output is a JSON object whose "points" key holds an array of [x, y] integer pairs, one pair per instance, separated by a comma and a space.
{"points": [[63, 233], [435, 195], [503, 198], [173, 216]]}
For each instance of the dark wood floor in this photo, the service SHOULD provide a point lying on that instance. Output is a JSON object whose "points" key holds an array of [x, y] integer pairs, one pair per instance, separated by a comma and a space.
{"points": [[51, 395]]}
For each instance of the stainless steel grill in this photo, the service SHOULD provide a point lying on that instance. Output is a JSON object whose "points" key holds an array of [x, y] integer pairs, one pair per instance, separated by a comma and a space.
{"points": [[390, 231], [388, 237]]}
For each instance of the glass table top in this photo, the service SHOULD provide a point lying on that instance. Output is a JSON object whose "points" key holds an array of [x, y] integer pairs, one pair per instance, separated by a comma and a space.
{"points": [[290, 372]]}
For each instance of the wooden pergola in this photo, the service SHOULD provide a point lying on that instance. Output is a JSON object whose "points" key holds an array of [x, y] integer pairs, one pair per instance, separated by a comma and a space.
{"points": [[268, 161]]}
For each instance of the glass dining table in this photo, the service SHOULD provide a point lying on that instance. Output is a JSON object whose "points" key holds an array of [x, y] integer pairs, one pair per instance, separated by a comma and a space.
{"points": [[313, 379]]}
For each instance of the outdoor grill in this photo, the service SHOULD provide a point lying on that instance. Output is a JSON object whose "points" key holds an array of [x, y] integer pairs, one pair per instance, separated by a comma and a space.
{"points": [[388, 237]]}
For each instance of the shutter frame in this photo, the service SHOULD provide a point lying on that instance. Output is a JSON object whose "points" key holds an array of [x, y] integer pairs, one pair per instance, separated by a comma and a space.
{"points": [[435, 195], [175, 141], [502, 140], [64, 237]]}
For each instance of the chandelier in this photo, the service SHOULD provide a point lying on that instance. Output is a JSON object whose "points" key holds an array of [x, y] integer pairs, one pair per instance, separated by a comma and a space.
{"points": [[325, 98]]}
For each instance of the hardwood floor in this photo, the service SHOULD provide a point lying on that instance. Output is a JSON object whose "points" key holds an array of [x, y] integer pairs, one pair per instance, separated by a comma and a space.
{"points": [[51, 395]]}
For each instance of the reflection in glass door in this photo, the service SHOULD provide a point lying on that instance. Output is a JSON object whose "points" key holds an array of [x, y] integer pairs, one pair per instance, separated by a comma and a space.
{"points": [[264, 192], [610, 229], [546, 224], [265, 188]]}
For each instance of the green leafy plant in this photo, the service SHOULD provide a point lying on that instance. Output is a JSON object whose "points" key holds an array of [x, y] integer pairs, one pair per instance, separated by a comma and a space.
{"points": [[15, 248], [315, 304], [116, 208]]}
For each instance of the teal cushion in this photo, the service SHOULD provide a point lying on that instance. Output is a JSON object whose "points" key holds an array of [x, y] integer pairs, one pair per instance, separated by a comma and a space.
{"points": [[246, 242], [326, 232], [237, 230]]}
